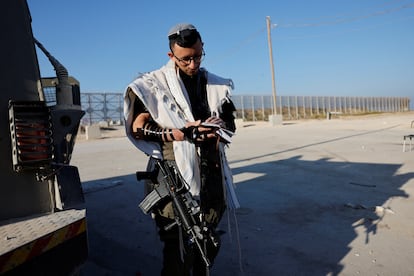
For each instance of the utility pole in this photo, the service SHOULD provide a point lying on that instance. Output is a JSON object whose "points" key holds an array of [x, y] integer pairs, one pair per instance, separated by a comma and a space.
{"points": [[269, 39]]}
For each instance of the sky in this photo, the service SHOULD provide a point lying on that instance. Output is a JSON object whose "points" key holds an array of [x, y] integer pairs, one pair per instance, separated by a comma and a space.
{"points": [[320, 47]]}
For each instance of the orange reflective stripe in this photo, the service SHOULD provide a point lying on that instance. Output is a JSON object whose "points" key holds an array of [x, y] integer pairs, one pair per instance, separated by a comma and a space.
{"points": [[26, 252]]}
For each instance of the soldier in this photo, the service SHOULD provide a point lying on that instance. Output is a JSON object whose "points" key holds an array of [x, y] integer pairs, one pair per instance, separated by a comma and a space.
{"points": [[174, 113]]}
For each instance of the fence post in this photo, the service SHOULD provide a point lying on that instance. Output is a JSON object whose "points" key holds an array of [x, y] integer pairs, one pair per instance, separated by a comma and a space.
{"points": [[288, 107], [90, 113], [242, 107], [317, 105], [310, 106], [304, 106], [324, 105], [280, 105], [121, 110], [296, 107], [253, 109]]}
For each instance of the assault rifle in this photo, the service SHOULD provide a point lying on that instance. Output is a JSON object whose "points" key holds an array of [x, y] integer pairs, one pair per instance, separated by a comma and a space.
{"points": [[186, 209]]}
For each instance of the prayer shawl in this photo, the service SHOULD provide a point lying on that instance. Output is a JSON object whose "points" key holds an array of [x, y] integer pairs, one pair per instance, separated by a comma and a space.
{"points": [[166, 98]]}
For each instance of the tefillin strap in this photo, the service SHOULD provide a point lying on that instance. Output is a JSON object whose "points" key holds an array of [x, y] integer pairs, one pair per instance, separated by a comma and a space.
{"points": [[153, 132]]}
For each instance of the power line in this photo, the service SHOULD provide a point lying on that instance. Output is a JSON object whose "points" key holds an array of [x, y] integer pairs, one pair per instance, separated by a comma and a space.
{"points": [[238, 46], [349, 19], [231, 51]]}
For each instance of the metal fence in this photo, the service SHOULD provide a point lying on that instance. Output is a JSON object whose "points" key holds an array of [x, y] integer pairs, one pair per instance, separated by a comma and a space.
{"points": [[102, 107], [109, 106], [252, 108]]}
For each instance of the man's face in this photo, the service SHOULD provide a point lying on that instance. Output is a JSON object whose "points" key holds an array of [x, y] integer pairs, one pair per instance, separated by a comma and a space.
{"points": [[188, 59]]}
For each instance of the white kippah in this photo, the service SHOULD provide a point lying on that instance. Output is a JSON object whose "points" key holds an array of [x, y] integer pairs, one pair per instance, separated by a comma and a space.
{"points": [[179, 28]]}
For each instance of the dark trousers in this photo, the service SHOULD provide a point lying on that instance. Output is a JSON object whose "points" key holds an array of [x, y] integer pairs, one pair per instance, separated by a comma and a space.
{"points": [[184, 259]]}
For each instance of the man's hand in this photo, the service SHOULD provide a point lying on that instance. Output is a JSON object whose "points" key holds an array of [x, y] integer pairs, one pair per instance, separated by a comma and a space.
{"points": [[199, 132], [215, 120]]}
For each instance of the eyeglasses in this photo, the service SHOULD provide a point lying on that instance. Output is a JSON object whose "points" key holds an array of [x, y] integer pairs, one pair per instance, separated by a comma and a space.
{"points": [[187, 60]]}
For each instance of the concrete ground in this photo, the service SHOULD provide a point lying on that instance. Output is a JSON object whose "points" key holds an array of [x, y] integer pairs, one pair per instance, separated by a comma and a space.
{"points": [[319, 197]]}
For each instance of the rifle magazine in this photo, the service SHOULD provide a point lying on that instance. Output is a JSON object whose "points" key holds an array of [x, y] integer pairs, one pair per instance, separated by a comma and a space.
{"points": [[153, 198]]}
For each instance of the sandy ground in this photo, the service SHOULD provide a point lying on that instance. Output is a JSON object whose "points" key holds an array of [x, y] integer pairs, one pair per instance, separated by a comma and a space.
{"points": [[319, 197]]}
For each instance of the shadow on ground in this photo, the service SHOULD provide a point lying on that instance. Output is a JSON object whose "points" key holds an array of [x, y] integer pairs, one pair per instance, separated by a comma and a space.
{"points": [[298, 217]]}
